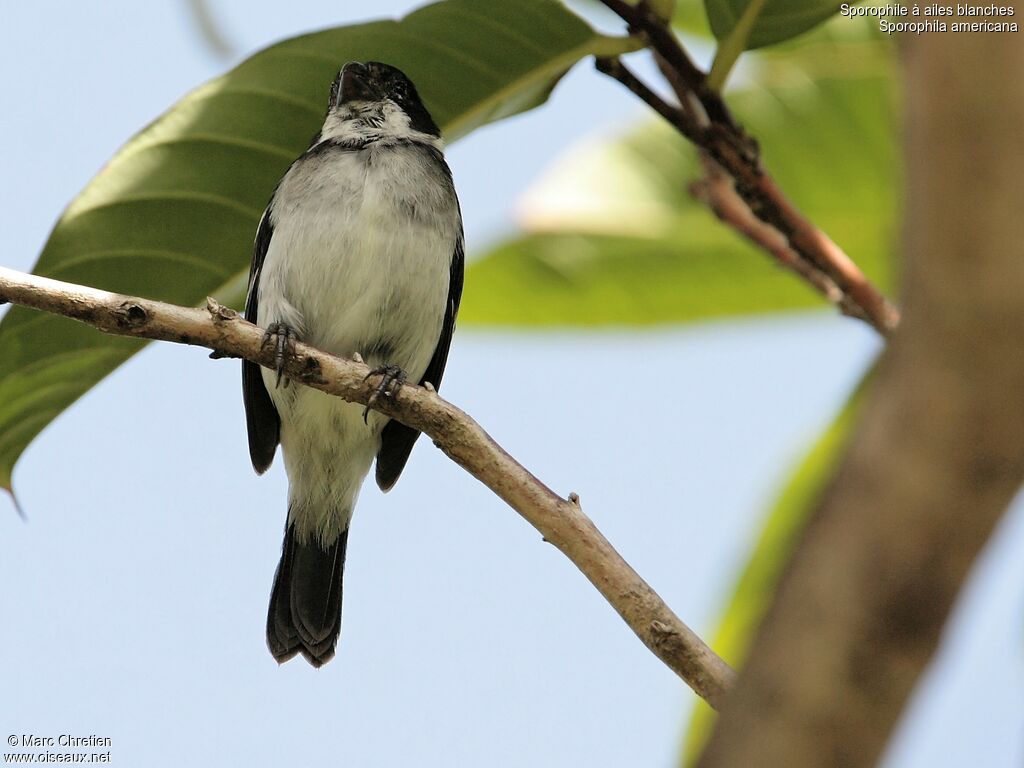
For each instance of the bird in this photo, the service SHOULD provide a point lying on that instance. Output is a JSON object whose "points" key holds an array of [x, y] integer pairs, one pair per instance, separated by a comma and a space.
{"points": [[360, 253]]}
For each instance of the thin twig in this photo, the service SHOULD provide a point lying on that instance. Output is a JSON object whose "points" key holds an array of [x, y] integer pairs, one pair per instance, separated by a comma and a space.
{"points": [[642, 20], [716, 190], [209, 30], [683, 122], [721, 139], [561, 522], [688, 100]]}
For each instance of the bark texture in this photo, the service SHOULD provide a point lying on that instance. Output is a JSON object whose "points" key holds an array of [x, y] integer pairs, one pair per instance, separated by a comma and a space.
{"points": [[939, 453], [560, 521]]}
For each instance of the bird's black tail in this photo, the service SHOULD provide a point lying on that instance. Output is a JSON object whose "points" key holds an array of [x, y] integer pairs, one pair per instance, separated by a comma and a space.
{"points": [[305, 604]]}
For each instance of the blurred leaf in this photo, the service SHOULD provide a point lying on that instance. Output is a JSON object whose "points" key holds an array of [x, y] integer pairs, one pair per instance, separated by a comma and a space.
{"points": [[614, 238], [690, 18], [776, 21], [588, 280], [663, 9], [209, 31], [173, 215], [779, 537], [734, 44], [687, 16]]}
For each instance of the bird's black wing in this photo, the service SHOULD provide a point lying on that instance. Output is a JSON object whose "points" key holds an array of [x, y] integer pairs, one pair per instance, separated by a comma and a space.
{"points": [[261, 419], [397, 439]]}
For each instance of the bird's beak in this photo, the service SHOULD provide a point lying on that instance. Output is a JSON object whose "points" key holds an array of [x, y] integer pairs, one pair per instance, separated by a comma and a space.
{"points": [[355, 83]]}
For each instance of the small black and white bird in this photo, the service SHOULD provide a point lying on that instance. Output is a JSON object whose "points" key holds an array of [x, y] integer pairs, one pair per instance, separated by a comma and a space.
{"points": [[359, 252]]}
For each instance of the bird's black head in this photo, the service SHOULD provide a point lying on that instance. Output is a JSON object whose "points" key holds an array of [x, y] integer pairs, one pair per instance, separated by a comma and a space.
{"points": [[373, 83]]}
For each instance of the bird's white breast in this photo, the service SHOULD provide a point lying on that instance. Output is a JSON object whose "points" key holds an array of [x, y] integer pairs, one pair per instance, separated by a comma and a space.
{"points": [[360, 255], [358, 262]]}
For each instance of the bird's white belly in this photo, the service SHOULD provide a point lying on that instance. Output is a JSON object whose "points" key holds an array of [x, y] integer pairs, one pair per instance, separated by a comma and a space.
{"points": [[348, 279], [362, 289]]}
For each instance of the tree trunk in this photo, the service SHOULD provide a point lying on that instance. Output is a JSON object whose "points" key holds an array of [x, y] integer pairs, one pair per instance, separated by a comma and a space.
{"points": [[939, 452]]}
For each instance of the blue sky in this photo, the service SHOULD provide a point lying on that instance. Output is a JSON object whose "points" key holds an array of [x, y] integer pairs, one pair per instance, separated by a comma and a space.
{"points": [[135, 596]]}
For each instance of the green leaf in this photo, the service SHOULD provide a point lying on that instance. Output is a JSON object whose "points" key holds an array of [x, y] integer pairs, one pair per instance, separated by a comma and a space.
{"points": [[690, 19], [663, 9], [592, 280], [781, 533], [778, 20], [172, 216], [614, 238], [734, 44]]}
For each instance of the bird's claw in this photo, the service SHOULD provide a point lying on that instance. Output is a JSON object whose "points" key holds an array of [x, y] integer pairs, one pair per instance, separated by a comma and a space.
{"points": [[391, 380], [283, 337]]}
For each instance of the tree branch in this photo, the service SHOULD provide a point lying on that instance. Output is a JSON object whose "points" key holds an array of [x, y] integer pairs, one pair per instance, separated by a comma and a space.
{"points": [[717, 191], [817, 259], [560, 521]]}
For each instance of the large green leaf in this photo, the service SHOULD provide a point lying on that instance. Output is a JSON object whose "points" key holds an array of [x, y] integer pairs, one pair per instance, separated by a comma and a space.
{"points": [[781, 533], [690, 18], [766, 21], [613, 237], [589, 280], [173, 214]]}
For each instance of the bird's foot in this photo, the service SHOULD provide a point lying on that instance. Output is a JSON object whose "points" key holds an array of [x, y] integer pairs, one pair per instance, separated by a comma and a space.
{"points": [[283, 337], [391, 380]]}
